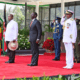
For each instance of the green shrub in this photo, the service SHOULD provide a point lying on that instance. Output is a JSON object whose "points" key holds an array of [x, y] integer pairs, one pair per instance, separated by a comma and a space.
{"points": [[49, 38], [45, 78], [42, 33], [23, 39], [24, 32], [60, 77]]}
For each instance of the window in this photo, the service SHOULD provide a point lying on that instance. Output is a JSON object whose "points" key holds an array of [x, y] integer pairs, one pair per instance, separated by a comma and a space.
{"points": [[2, 11], [52, 15], [77, 11], [19, 14], [72, 8], [58, 12], [44, 16], [30, 10], [66, 8]]}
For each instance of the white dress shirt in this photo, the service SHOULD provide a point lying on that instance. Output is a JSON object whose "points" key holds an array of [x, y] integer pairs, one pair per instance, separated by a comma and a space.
{"points": [[33, 19], [70, 30], [11, 31]]}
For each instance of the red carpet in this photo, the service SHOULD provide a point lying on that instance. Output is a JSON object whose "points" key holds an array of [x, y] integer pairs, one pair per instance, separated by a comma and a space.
{"points": [[46, 66]]}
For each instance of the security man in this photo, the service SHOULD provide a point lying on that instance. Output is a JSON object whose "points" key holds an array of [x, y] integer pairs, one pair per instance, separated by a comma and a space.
{"points": [[57, 36], [69, 37]]}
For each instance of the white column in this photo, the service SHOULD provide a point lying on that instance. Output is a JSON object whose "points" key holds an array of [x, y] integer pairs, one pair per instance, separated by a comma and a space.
{"points": [[37, 9], [62, 7]]}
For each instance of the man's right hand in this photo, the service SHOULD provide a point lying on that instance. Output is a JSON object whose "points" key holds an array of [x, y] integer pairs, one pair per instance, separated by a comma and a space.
{"points": [[53, 20], [73, 44], [64, 16]]}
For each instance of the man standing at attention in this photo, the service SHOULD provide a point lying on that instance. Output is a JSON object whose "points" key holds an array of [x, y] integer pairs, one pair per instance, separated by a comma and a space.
{"points": [[35, 36], [57, 36], [11, 35], [69, 37]]}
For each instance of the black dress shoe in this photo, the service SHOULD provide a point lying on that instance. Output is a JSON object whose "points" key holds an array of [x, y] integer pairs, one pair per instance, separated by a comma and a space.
{"points": [[32, 64], [9, 62], [75, 61], [56, 59], [78, 61]]}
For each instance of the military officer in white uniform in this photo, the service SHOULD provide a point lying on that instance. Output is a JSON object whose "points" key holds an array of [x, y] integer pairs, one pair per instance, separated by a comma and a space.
{"points": [[69, 37]]}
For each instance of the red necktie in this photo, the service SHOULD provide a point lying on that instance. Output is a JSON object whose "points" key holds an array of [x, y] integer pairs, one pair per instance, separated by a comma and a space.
{"points": [[31, 23]]}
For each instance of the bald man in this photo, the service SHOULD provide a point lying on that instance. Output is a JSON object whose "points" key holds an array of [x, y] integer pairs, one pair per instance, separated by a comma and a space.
{"points": [[11, 35]]}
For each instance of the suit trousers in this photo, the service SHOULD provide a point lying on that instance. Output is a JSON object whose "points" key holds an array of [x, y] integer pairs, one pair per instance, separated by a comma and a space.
{"points": [[35, 53], [69, 54], [10, 53], [57, 45]]}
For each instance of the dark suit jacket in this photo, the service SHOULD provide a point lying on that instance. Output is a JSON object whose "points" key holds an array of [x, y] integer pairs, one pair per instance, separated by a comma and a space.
{"points": [[35, 31]]}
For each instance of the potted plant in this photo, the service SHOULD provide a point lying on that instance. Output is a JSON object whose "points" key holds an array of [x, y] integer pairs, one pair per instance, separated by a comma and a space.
{"points": [[49, 45]]}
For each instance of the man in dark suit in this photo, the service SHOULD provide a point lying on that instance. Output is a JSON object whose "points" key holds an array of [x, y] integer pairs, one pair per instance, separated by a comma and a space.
{"points": [[35, 36]]}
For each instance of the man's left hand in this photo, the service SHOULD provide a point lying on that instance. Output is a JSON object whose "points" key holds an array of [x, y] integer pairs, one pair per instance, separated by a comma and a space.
{"points": [[37, 41]]}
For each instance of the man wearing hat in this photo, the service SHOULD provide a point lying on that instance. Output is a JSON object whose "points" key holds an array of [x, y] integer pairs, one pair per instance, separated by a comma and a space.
{"points": [[57, 36], [69, 37], [11, 35]]}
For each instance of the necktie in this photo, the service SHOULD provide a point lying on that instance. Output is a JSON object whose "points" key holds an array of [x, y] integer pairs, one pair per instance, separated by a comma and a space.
{"points": [[31, 23]]}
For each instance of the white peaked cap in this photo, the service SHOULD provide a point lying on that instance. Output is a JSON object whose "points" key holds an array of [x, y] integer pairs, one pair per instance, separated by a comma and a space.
{"points": [[70, 11]]}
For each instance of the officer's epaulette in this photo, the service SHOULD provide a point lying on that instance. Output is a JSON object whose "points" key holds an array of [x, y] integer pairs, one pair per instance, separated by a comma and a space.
{"points": [[71, 19]]}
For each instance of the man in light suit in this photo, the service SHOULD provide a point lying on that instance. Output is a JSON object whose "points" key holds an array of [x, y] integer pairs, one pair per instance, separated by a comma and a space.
{"points": [[11, 35], [35, 36], [69, 37]]}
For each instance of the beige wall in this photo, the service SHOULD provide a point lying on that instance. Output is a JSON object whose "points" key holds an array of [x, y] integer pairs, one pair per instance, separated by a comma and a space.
{"points": [[41, 2], [19, 1]]}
